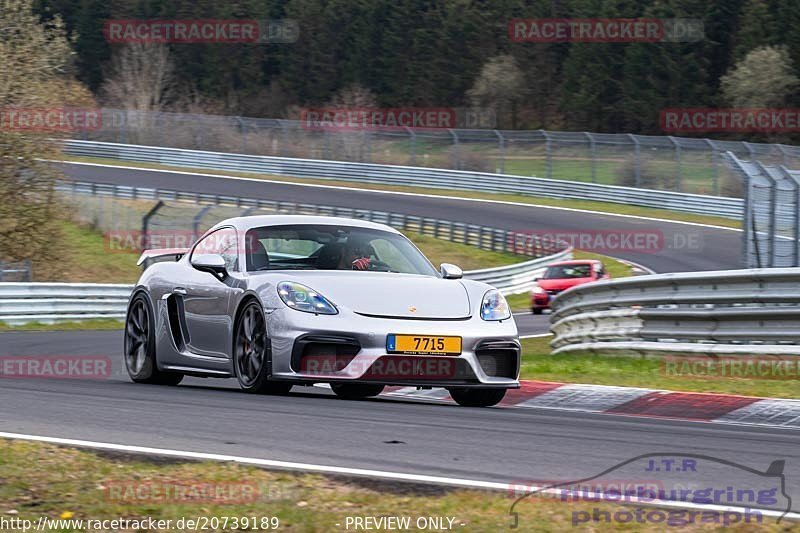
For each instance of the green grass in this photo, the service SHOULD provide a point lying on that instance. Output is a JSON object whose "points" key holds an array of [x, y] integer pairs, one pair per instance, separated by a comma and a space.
{"points": [[604, 207], [85, 258], [465, 256], [42, 480], [89, 324], [627, 371]]}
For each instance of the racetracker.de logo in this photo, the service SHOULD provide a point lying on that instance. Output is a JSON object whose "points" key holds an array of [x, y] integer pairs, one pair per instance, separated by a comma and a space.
{"points": [[56, 367], [702, 120], [380, 367], [363, 118], [50, 119], [181, 492], [605, 30], [201, 31]]}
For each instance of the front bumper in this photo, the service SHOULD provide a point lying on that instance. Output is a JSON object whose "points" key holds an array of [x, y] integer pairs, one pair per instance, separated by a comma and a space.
{"points": [[349, 347]]}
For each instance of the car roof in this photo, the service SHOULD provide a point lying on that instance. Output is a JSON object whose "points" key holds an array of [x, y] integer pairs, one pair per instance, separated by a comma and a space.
{"points": [[257, 221]]}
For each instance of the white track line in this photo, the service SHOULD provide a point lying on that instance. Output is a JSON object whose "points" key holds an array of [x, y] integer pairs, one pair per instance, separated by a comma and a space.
{"points": [[380, 474], [399, 193]]}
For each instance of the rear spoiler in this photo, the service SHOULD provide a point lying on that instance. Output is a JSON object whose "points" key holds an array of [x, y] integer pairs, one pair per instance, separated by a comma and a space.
{"points": [[159, 253]]}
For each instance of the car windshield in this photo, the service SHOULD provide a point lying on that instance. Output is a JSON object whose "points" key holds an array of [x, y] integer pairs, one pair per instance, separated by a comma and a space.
{"points": [[331, 247], [568, 271]]}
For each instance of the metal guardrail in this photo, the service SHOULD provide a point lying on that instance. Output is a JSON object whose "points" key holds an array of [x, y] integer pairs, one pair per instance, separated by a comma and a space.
{"points": [[415, 176], [715, 313], [21, 303]]}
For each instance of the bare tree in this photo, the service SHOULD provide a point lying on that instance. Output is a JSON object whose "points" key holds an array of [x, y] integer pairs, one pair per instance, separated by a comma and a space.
{"points": [[141, 77], [500, 86], [763, 78]]}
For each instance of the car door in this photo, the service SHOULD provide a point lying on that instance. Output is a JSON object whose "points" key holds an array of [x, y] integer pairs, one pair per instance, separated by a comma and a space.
{"points": [[207, 298]]}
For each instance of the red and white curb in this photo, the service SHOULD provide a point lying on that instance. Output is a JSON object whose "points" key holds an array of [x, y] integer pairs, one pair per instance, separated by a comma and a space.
{"points": [[696, 406]]}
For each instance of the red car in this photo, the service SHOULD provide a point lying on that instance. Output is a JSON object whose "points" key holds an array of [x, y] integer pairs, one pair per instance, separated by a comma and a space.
{"points": [[561, 276]]}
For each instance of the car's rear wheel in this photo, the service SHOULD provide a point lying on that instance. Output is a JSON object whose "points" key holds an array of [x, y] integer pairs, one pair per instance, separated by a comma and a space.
{"points": [[140, 345], [477, 397], [356, 391], [251, 353]]}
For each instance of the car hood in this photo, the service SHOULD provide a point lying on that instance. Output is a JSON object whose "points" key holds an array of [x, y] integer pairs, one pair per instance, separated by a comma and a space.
{"points": [[561, 284], [389, 294]]}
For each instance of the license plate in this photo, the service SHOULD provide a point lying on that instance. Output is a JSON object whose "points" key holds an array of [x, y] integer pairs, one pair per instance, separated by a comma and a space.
{"points": [[423, 344]]}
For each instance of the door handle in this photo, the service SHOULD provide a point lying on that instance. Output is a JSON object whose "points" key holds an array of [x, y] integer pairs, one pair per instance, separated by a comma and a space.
{"points": [[180, 290]]}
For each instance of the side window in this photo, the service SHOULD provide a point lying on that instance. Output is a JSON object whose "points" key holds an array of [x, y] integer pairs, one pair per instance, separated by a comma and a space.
{"points": [[222, 242]]}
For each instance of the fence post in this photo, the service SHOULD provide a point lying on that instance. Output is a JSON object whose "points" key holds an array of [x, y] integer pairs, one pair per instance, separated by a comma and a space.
{"points": [[796, 236], [548, 146], [637, 160], [501, 149], [456, 149], [593, 148], [412, 146], [146, 222], [773, 213], [677, 163], [196, 222], [715, 164]]}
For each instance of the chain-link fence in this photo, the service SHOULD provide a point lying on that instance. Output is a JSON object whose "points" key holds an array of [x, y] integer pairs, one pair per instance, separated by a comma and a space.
{"points": [[669, 163], [135, 218], [772, 213]]}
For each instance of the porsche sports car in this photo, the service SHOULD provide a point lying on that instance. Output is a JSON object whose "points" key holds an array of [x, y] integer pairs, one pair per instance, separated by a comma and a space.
{"points": [[278, 300]]}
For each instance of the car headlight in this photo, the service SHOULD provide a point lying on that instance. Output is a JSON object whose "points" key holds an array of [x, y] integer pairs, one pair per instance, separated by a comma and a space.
{"points": [[494, 306], [538, 290], [305, 299]]}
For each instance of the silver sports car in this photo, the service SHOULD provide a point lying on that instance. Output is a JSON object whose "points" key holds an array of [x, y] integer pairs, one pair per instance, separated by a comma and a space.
{"points": [[277, 301]]}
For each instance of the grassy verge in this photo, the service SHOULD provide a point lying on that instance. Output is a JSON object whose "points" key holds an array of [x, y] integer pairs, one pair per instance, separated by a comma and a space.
{"points": [[47, 481], [91, 324], [604, 207], [624, 371]]}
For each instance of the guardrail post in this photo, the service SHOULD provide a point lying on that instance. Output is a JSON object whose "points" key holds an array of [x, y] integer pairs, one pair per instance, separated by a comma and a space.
{"points": [[146, 222]]}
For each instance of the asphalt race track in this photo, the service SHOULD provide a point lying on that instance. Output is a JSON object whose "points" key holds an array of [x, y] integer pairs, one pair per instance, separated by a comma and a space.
{"points": [[311, 426]]}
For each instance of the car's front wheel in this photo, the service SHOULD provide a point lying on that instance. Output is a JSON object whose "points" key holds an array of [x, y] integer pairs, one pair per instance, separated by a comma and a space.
{"points": [[251, 351], [477, 397], [140, 345], [355, 391]]}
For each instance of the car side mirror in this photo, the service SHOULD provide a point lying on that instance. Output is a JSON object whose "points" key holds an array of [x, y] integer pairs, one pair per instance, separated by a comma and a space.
{"points": [[211, 263], [450, 271]]}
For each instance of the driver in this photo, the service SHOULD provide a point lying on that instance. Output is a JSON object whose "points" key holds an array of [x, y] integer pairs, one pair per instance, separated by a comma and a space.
{"points": [[358, 255]]}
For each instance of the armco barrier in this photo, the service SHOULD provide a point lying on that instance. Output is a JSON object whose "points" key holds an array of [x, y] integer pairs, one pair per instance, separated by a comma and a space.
{"points": [[716, 313], [21, 303], [416, 176]]}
